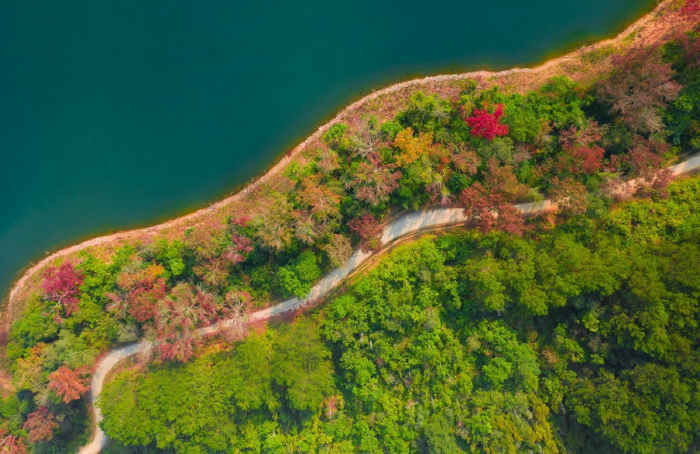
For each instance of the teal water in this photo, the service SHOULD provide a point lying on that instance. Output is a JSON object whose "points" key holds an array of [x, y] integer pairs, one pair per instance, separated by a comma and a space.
{"points": [[116, 113]]}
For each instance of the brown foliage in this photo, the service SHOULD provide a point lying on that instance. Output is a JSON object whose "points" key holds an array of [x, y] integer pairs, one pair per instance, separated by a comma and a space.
{"points": [[640, 85], [40, 425], [369, 230], [583, 155], [466, 160], [489, 209], [374, 182], [570, 195]]}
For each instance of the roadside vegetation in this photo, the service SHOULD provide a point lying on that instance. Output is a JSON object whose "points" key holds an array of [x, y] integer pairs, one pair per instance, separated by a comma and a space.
{"points": [[541, 315], [583, 338]]}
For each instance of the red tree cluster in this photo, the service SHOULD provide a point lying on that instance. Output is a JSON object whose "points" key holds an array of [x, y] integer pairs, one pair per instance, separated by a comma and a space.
{"points": [[641, 84], [374, 182], [178, 316], [487, 125], [369, 230], [488, 210], [70, 384], [62, 286], [137, 293], [10, 444], [690, 10], [583, 155], [40, 425], [490, 206], [643, 163]]}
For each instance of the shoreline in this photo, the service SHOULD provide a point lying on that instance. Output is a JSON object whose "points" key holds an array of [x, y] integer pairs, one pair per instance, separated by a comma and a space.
{"points": [[194, 217]]}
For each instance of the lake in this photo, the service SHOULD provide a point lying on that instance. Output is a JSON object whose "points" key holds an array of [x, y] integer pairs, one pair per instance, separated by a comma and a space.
{"points": [[116, 114]]}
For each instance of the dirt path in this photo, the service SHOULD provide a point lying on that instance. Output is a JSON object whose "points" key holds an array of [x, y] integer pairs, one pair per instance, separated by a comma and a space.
{"points": [[654, 25], [405, 225]]}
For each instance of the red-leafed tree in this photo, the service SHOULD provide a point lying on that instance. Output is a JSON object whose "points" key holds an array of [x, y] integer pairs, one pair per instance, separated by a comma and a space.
{"points": [[490, 206], [137, 291], [582, 154], [643, 164], [369, 230], [690, 10], [639, 87], [374, 182], [179, 347], [62, 286], [40, 425], [488, 209], [487, 125], [70, 384], [178, 316], [10, 444]]}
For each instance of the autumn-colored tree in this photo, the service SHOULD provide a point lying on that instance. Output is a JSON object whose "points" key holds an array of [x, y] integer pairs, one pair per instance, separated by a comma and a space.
{"points": [[365, 141], [690, 11], [62, 286], [466, 160], [137, 291], [40, 425], [70, 384], [11, 444], [489, 209], [323, 201], [216, 245], [570, 195], [369, 230], [500, 179], [643, 165], [582, 154], [411, 148], [306, 228], [327, 160], [639, 87], [487, 125], [178, 316], [233, 312], [374, 182]]}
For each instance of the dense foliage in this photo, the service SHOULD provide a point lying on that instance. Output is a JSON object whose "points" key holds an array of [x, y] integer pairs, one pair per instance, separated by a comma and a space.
{"points": [[581, 339], [483, 150]]}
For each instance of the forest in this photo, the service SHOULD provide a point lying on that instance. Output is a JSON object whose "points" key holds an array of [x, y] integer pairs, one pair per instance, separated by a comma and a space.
{"points": [[572, 332], [580, 338]]}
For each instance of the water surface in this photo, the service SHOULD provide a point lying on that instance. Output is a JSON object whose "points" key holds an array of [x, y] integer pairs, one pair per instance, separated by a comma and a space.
{"points": [[116, 113]]}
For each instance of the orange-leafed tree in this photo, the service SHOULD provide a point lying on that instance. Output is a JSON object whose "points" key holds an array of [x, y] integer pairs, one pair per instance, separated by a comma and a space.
{"points": [[582, 153], [412, 148], [69, 384]]}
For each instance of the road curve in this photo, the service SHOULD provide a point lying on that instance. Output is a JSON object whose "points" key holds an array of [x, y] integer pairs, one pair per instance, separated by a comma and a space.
{"points": [[406, 224]]}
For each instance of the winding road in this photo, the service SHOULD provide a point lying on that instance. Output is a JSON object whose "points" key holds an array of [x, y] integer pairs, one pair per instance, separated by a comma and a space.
{"points": [[405, 225]]}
